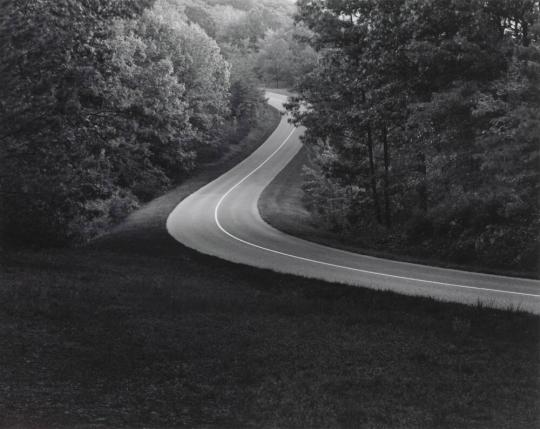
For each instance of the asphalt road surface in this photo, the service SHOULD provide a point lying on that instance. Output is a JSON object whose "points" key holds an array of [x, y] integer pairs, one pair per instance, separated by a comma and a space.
{"points": [[222, 219]]}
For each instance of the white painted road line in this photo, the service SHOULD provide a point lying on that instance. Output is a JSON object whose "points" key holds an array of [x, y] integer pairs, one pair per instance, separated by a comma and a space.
{"points": [[218, 223], [222, 219]]}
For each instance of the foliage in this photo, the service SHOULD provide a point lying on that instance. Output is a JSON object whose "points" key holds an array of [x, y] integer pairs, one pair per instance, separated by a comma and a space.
{"points": [[105, 104], [201, 17], [52, 57], [246, 102], [430, 110], [273, 57], [101, 108], [283, 56]]}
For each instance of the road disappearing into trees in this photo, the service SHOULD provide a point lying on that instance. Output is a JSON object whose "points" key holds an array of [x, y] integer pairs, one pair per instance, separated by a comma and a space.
{"points": [[222, 219]]}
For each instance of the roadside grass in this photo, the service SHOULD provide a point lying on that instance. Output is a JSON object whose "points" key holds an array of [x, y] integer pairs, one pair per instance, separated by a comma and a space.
{"points": [[99, 338], [139, 331], [281, 205]]}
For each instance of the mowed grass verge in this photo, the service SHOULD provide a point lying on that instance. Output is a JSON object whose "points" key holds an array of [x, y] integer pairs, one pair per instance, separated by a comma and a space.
{"points": [[138, 331]]}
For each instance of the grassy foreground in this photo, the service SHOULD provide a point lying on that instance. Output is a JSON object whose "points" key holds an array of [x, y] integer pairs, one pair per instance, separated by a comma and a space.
{"points": [[138, 331]]}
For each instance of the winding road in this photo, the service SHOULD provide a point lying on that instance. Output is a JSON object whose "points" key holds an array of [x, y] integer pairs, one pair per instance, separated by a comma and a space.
{"points": [[222, 219]]}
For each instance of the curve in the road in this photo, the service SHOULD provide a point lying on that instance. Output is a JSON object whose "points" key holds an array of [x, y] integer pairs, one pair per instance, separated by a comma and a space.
{"points": [[222, 219]]}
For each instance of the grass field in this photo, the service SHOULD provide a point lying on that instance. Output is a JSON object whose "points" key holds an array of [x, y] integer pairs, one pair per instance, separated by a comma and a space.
{"points": [[138, 331]]}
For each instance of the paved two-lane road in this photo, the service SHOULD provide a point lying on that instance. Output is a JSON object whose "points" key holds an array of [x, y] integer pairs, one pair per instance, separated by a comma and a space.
{"points": [[222, 219]]}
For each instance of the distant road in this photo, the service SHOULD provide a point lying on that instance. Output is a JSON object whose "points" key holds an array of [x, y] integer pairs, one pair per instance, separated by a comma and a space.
{"points": [[222, 219]]}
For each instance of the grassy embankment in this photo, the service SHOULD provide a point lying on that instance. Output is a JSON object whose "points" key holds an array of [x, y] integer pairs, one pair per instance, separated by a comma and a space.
{"points": [[282, 206], [139, 331]]}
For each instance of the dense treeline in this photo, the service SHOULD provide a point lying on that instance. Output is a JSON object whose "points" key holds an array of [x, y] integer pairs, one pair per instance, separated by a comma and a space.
{"points": [[424, 124], [258, 38], [105, 103]]}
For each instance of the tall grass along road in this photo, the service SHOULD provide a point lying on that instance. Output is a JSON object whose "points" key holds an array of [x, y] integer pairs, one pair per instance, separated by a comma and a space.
{"points": [[222, 219]]}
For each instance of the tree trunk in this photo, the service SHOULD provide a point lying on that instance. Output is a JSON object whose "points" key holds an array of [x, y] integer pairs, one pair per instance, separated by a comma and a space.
{"points": [[525, 31], [372, 175], [387, 211], [422, 187]]}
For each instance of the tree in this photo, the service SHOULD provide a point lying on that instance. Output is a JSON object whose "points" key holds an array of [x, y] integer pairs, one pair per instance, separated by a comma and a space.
{"points": [[105, 104], [274, 58], [202, 18], [417, 91], [52, 57]]}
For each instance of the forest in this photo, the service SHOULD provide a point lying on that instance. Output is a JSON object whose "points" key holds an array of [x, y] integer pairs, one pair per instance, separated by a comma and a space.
{"points": [[423, 126], [105, 104], [422, 117]]}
